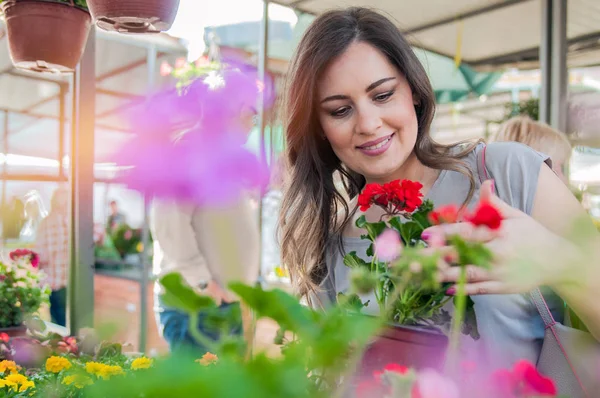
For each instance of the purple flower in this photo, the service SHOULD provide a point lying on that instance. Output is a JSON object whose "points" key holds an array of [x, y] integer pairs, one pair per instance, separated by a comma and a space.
{"points": [[388, 246]]}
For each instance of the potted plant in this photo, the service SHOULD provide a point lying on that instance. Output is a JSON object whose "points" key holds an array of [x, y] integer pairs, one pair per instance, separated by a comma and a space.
{"points": [[21, 293], [134, 16], [46, 35], [402, 275]]}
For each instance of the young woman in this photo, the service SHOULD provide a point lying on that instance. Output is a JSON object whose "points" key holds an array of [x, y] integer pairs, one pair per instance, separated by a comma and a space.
{"points": [[359, 106]]}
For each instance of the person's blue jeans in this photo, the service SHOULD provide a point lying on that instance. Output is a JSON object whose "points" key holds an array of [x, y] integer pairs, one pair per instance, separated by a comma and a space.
{"points": [[174, 326], [58, 306]]}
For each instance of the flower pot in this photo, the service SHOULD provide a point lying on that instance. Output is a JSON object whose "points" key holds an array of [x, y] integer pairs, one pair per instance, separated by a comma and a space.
{"points": [[134, 16], [15, 331], [44, 35], [412, 346]]}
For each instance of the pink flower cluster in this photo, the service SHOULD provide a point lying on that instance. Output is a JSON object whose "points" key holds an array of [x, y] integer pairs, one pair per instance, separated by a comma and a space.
{"points": [[189, 145], [522, 381], [29, 255]]}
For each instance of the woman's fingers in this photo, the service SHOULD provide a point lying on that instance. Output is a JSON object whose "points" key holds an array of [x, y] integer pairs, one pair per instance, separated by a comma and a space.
{"points": [[480, 288], [465, 230], [473, 273]]}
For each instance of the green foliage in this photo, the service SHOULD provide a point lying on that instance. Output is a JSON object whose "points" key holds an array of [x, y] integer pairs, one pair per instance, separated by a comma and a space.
{"points": [[530, 107], [181, 296]]}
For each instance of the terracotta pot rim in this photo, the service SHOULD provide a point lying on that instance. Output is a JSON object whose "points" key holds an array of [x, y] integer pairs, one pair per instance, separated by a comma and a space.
{"points": [[417, 328], [9, 3]]}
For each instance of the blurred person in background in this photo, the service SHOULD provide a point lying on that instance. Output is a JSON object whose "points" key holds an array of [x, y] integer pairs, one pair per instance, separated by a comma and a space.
{"points": [[35, 212], [116, 218], [540, 137], [186, 241], [52, 245]]}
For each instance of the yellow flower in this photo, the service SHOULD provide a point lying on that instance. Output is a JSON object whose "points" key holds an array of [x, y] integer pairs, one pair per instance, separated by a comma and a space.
{"points": [[208, 359], [94, 368], [6, 383], [141, 363], [140, 247], [19, 382], [56, 364], [281, 272], [110, 370], [8, 366], [78, 380]]}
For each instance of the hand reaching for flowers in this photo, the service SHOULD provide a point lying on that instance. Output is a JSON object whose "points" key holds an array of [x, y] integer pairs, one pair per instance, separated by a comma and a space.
{"points": [[526, 254]]}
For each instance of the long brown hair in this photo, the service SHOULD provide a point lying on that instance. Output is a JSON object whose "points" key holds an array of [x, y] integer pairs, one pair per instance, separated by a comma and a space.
{"points": [[309, 214]]}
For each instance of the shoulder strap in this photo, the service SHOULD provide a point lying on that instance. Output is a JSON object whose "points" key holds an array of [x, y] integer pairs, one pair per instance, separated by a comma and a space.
{"points": [[542, 307], [481, 169]]}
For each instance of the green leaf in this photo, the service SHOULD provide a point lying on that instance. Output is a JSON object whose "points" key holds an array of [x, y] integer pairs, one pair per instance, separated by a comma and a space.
{"points": [[410, 231], [178, 294], [353, 261], [469, 326], [421, 216], [361, 222], [370, 250], [278, 305], [374, 229]]}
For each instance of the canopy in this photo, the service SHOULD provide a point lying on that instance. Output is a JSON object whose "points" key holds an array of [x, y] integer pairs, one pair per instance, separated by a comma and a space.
{"points": [[495, 33]]}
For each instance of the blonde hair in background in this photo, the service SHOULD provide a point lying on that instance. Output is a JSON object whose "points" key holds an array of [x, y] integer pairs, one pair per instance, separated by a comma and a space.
{"points": [[538, 136]]}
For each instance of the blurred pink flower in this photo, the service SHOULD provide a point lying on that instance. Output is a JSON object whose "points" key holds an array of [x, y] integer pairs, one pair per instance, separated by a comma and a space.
{"points": [[206, 164], [32, 257], [388, 245], [165, 69], [431, 384]]}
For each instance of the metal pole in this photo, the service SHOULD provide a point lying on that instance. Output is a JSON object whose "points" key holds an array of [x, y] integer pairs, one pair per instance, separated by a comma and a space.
{"points": [[546, 61], [4, 174], [61, 131], [263, 58], [559, 78], [81, 275], [151, 66]]}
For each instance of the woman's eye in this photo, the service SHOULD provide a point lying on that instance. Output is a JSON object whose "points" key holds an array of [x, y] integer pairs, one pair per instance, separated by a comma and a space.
{"points": [[384, 97], [341, 112]]}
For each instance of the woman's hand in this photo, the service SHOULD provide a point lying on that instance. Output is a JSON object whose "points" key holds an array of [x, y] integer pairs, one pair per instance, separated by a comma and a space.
{"points": [[526, 254]]}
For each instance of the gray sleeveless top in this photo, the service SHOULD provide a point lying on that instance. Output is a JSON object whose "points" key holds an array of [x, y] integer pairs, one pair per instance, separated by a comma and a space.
{"points": [[509, 325]]}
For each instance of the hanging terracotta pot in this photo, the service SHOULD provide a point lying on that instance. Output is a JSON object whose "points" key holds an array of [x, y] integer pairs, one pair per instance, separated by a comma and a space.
{"points": [[411, 346], [46, 35], [134, 16]]}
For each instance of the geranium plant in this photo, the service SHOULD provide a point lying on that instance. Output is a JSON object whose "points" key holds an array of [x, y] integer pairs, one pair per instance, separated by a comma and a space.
{"points": [[21, 290], [401, 273]]}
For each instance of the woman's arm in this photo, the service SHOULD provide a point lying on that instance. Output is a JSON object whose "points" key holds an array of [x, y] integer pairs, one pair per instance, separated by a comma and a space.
{"points": [[558, 210]]}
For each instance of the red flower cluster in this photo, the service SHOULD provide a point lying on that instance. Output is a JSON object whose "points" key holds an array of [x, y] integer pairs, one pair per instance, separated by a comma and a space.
{"points": [[523, 381], [395, 197], [444, 215], [4, 337], [484, 215], [34, 259]]}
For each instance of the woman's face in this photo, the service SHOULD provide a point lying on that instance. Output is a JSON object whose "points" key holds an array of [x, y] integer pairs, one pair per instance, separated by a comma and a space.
{"points": [[367, 112]]}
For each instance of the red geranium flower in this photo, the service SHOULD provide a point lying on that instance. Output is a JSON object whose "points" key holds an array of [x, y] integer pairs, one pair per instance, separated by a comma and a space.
{"points": [[523, 380], [393, 368], [487, 215], [4, 337], [372, 194], [396, 196], [444, 215]]}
